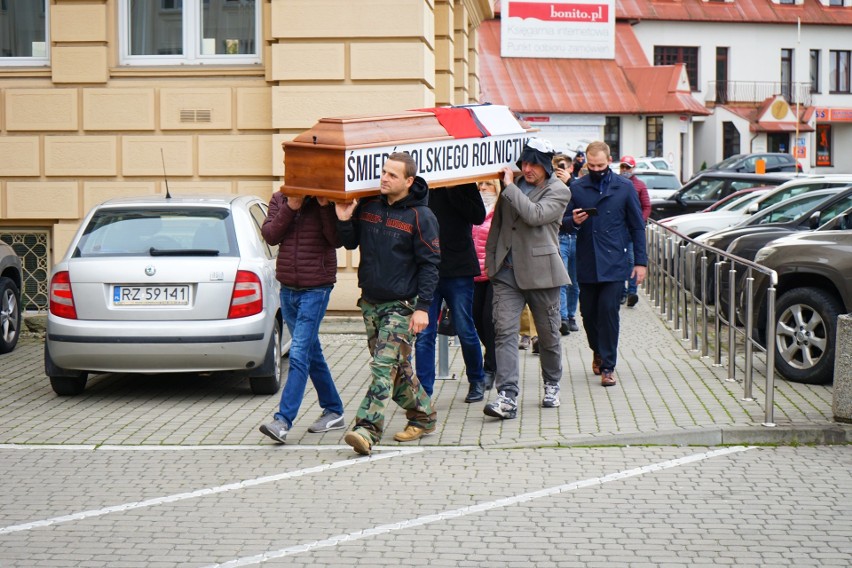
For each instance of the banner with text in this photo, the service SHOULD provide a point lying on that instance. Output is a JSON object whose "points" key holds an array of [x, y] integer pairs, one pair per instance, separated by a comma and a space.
{"points": [[581, 29], [437, 161]]}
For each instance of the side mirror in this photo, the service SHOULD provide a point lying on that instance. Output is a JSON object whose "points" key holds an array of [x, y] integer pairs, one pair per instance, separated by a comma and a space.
{"points": [[813, 222]]}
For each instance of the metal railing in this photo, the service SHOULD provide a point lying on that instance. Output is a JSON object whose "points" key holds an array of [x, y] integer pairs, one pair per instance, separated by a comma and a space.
{"points": [[678, 283], [722, 92]]}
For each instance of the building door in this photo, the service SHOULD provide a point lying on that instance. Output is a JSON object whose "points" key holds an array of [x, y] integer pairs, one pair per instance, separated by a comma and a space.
{"points": [[778, 142]]}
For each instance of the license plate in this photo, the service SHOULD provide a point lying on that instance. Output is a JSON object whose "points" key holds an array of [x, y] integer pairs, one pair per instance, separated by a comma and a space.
{"points": [[150, 295]]}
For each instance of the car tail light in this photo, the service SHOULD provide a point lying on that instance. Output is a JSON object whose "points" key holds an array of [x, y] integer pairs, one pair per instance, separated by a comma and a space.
{"points": [[247, 297], [61, 296]]}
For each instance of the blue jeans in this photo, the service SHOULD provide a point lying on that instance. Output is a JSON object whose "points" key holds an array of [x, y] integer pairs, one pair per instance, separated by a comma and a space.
{"points": [[571, 293], [458, 292], [303, 312]]}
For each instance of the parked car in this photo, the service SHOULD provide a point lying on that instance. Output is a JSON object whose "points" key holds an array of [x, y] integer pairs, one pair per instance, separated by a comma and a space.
{"points": [[661, 184], [814, 287], [652, 163], [767, 199], [788, 215], [774, 162], [167, 285], [706, 189], [716, 218], [11, 279]]}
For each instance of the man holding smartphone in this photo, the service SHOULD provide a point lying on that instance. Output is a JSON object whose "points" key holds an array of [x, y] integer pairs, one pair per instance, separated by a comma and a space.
{"points": [[605, 209]]}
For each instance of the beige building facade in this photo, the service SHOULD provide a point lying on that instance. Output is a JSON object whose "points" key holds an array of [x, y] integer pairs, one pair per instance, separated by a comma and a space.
{"points": [[81, 122]]}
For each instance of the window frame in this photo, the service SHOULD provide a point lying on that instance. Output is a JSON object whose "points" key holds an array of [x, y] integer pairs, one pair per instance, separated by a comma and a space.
{"points": [[33, 61], [813, 66], [653, 133], [835, 87], [191, 41], [688, 55], [612, 134]]}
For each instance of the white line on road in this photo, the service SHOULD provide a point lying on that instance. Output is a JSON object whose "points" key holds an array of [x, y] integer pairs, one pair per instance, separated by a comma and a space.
{"points": [[464, 511], [263, 447], [203, 492]]}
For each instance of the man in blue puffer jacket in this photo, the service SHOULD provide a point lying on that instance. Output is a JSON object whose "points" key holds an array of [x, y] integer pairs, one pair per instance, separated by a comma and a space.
{"points": [[606, 211]]}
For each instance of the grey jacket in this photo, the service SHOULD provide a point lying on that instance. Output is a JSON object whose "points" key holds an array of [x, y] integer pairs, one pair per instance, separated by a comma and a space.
{"points": [[529, 226]]}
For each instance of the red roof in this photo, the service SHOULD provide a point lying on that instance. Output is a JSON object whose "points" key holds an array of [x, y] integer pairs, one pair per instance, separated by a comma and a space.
{"points": [[625, 85], [739, 11]]}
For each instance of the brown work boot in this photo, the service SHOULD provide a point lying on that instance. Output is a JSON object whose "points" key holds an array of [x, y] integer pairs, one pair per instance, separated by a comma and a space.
{"points": [[359, 443], [607, 378], [596, 364], [412, 433]]}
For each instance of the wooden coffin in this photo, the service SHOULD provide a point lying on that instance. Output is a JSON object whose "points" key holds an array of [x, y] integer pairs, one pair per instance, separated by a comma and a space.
{"points": [[341, 157]]}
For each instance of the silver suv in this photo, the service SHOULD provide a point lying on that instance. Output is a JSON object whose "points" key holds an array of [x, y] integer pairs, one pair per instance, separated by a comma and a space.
{"points": [[10, 298]]}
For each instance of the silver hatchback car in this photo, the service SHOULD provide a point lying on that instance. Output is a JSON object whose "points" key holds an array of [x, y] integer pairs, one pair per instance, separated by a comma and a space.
{"points": [[167, 285]]}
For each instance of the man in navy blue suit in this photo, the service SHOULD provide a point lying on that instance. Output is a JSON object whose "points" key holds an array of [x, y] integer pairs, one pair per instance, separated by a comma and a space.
{"points": [[605, 209]]}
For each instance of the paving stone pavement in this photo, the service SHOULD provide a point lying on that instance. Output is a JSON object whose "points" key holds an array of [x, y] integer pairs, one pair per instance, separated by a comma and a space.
{"points": [[666, 394]]}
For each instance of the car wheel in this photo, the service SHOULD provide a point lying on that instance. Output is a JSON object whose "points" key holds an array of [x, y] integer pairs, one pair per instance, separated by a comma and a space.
{"points": [[10, 315], [805, 331], [269, 381], [65, 382]]}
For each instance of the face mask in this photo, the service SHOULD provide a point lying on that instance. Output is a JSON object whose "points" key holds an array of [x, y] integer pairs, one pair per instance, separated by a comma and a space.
{"points": [[488, 198], [628, 174], [596, 176]]}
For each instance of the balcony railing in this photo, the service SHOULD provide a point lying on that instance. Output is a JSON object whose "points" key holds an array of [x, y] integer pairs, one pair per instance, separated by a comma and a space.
{"points": [[722, 92]]}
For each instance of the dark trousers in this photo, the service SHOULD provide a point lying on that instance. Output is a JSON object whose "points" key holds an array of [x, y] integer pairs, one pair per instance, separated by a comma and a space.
{"points": [[483, 319], [599, 305]]}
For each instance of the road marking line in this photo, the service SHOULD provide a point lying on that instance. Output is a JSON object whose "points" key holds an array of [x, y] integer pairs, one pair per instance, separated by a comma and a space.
{"points": [[464, 511], [266, 447], [203, 492]]}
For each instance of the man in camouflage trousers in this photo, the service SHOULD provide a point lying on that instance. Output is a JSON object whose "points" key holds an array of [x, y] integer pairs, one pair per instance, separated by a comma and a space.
{"points": [[400, 252]]}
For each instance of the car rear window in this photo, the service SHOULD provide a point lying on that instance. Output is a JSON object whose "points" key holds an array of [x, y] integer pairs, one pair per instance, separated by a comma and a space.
{"points": [[658, 181], [173, 231]]}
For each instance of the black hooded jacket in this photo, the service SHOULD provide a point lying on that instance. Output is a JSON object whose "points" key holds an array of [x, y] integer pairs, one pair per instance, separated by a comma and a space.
{"points": [[400, 248], [457, 210]]}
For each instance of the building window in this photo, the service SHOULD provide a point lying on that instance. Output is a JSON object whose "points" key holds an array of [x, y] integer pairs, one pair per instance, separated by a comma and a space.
{"points": [[669, 55], [612, 135], [835, 2], [194, 32], [823, 145], [730, 139], [654, 136], [838, 71], [787, 73], [814, 73], [23, 33]]}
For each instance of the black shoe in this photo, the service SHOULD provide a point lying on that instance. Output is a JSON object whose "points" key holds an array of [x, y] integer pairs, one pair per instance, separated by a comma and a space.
{"points": [[535, 348], [623, 299], [572, 325], [564, 329], [476, 392], [632, 300]]}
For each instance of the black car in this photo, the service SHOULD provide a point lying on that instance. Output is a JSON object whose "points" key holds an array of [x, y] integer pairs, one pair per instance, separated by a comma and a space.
{"points": [[774, 162], [704, 190], [814, 287]]}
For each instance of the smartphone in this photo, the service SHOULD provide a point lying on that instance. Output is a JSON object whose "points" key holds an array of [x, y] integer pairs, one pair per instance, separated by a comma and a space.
{"points": [[591, 212]]}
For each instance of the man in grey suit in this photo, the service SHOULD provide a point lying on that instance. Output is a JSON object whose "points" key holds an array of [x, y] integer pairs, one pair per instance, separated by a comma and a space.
{"points": [[523, 263]]}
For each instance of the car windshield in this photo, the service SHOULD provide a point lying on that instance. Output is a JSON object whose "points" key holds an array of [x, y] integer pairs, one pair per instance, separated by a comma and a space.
{"points": [[790, 210], [782, 194], [727, 163], [658, 181], [158, 232], [740, 203], [705, 189]]}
